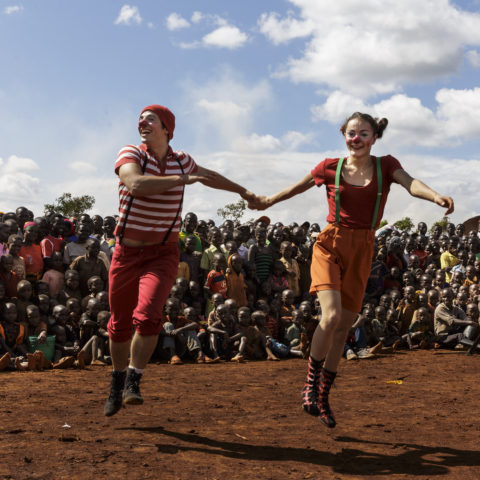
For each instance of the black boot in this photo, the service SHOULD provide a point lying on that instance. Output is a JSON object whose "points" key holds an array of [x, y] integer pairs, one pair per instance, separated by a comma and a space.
{"points": [[131, 394], [114, 400], [326, 382], [310, 392]]}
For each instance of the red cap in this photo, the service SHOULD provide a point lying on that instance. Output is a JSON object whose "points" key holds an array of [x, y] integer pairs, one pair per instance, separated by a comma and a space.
{"points": [[165, 115]]}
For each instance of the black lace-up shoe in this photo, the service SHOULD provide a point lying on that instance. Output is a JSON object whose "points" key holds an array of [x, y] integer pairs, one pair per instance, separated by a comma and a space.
{"points": [[114, 400], [131, 393]]}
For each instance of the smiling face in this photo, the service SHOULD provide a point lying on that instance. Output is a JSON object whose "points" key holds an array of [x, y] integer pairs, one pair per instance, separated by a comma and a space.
{"points": [[359, 137], [151, 129]]}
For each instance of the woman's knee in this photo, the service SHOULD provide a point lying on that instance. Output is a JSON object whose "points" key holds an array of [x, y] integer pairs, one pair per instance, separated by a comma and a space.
{"points": [[331, 319]]}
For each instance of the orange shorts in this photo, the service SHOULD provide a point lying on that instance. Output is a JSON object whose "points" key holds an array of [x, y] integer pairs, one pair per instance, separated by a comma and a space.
{"points": [[342, 260]]}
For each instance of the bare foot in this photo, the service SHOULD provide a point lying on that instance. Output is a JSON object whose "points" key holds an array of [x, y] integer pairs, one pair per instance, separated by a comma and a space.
{"points": [[4, 361], [32, 362], [81, 359]]}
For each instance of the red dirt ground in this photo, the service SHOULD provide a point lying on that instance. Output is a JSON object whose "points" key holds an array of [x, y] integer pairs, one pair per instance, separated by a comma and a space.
{"points": [[244, 421]]}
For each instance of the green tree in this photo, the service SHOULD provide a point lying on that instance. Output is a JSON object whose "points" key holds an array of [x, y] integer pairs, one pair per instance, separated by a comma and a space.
{"points": [[443, 223], [405, 224], [233, 211], [70, 206], [383, 223]]}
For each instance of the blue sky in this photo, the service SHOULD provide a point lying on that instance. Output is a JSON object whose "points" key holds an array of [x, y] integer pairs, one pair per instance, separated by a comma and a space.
{"points": [[259, 90]]}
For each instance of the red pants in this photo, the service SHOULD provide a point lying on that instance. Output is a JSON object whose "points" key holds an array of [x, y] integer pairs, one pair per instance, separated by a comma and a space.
{"points": [[342, 260], [140, 280]]}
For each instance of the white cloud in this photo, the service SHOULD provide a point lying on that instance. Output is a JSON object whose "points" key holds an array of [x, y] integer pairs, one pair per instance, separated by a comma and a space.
{"points": [[460, 111], [282, 30], [257, 143], [189, 45], [176, 22], [12, 9], [268, 143], [292, 139], [473, 57], [226, 36], [129, 15], [16, 164], [337, 107], [16, 182], [197, 17], [224, 108], [82, 168], [375, 49]]}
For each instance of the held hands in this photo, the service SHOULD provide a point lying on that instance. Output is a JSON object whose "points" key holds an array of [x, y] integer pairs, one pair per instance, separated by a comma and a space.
{"points": [[257, 202]]}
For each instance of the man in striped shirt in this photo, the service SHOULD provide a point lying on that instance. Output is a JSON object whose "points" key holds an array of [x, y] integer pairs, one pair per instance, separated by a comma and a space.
{"points": [[152, 178]]}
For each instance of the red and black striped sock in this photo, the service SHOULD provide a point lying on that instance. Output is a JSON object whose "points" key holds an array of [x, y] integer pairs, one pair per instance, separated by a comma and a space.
{"points": [[325, 413], [311, 389]]}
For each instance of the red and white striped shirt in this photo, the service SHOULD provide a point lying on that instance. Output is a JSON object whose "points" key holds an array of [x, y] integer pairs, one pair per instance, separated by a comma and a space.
{"points": [[150, 217]]}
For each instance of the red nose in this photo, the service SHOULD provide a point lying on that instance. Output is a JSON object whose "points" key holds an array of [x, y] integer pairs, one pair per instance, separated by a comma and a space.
{"points": [[356, 139], [142, 123]]}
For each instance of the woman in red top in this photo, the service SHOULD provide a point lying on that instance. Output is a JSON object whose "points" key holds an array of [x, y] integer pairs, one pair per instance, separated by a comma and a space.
{"points": [[357, 189]]}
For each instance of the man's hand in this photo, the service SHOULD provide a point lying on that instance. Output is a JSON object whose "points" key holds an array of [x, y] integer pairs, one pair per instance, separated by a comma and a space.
{"points": [[446, 202]]}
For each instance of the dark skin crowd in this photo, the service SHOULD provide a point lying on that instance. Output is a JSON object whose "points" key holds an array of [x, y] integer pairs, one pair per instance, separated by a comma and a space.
{"points": [[241, 293]]}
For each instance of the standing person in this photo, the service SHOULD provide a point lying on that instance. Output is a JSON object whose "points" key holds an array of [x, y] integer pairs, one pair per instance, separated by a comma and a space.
{"points": [[145, 260], [357, 188]]}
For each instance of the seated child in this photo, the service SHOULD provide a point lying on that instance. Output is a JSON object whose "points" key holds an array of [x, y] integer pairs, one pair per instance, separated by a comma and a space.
{"points": [[36, 327], [67, 343], [12, 342], [95, 285], [222, 331], [43, 302], [249, 342], [89, 329], [310, 323], [259, 319], [472, 332], [286, 310], [383, 341], [180, 334], [74, 310], [72, 281], [24, 298], [420, 333], [295, 337]]}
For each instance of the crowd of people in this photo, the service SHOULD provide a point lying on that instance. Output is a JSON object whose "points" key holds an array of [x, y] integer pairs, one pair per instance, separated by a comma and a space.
{"points": [[241, 292]]}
